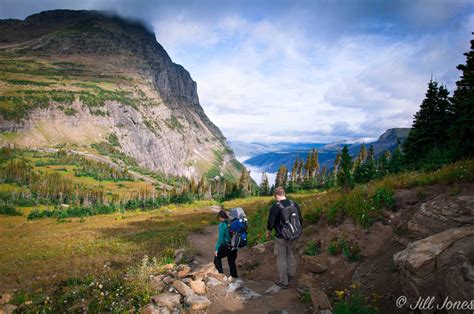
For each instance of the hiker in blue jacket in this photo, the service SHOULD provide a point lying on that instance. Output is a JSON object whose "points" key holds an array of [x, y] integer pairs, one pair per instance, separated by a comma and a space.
{"points": [[223, 246]]}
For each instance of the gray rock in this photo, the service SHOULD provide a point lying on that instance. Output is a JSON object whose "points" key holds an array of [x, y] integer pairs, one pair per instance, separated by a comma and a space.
{"points": [[439, 265], [182, 288], [152, 309], [316, 264], [168, 300], [213, 282], [8, 309]]}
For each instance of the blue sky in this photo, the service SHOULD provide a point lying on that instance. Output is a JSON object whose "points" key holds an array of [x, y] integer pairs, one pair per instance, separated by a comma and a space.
{"points": [[302, 71]]}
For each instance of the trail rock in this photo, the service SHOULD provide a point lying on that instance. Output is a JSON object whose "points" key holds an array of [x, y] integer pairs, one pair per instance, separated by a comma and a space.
{"points": [[259, 248], [151, 309], [8, 309], [205, 271], [246, 293], [6, 298], [182, 288], [305, 282], [316, 264], [178, 255], [168, 300], [198, 286], [273, 289], [157, 283], [213, 282], [439, 265], [237, 284], [183, 270], [169, 267], [218, 276], [198, 302], [320, 300]]}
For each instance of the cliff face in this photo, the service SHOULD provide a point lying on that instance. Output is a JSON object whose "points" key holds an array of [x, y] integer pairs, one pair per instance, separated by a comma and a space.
{"points": [[85, 77]]}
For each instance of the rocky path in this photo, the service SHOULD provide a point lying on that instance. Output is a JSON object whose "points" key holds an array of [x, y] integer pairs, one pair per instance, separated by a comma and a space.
{"points": [[250, 296]]}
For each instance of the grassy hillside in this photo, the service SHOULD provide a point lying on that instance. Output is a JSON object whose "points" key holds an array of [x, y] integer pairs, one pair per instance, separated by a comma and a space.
{"points": [[60, 258]]}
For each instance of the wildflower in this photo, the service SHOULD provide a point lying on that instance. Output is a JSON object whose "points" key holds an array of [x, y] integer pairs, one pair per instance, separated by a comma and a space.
{"points": [[100, 286], [340, 294], [28, 302]]}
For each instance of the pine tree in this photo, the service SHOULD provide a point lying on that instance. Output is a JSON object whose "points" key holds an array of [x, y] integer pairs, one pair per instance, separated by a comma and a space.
{"points": [[337, 161], [244, 182], [281, 177], [395, 163], [462, 130], [430, 126], [307, 166], [264, 185], [344, 175], [315, 165]]}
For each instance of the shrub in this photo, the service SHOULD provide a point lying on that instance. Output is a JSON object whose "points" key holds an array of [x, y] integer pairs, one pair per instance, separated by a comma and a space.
{"points": [[384, 198], [313, 215], [313, 248], [9, 210], [354, 301]]}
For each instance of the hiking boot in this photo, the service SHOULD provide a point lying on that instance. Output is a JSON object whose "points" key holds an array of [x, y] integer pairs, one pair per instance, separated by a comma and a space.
{"points": [[281, 285], [290, 278]]}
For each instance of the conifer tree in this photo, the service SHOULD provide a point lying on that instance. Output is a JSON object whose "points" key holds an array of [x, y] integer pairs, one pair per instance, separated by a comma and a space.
{"points": [[337, 161], [462, 130], [281, 177], [307, 166], [395, 163], [344, 175], [264, 185]]}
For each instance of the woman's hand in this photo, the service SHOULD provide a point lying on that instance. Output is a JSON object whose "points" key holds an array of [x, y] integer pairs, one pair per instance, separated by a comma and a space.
{"points": [[215, 253]]}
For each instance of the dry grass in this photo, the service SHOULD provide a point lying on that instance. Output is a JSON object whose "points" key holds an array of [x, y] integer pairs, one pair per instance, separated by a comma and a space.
{"points": [[42, 253]]}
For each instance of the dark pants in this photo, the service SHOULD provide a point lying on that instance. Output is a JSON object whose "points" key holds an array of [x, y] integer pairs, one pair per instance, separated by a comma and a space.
{"points": [[224, 251]]}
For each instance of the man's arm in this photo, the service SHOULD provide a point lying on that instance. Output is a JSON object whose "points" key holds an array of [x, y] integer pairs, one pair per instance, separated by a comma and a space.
{"points": [[299, 214], [272, 218]]}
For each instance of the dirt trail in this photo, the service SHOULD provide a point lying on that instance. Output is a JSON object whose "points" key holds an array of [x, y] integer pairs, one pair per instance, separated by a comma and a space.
{"points": [[284, 301]]}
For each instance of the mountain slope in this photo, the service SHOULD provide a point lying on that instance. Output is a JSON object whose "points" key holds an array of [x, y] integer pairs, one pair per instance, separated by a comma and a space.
{"points": [[82, 78]]}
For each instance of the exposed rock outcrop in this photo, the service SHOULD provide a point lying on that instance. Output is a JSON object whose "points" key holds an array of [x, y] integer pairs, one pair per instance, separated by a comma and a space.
{"points": [[441, 265]]}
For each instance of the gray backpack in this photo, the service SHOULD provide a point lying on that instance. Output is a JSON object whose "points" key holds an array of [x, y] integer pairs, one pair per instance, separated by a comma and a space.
{"points": [[290, 225]]}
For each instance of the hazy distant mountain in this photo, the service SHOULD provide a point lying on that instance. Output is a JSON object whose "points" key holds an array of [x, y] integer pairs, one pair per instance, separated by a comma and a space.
{"points": [[287, 154]]}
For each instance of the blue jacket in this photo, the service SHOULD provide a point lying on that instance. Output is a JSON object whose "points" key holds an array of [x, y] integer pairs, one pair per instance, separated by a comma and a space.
{"points": [[224, 235]]}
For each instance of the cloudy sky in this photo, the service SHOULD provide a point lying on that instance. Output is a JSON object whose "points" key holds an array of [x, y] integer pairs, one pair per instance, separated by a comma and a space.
{"points": [[302, 71]]}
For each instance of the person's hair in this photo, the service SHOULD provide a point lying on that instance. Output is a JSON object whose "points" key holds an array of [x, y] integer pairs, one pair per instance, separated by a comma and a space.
{"points": [[279, 191], [222, 214]]}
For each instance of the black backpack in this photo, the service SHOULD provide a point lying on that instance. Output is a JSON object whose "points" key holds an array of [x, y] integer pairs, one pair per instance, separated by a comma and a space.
{"points": [[290, 225]]}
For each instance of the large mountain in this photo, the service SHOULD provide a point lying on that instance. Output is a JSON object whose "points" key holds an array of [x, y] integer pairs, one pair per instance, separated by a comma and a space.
{"points": [[271, 160], [103, 84]]}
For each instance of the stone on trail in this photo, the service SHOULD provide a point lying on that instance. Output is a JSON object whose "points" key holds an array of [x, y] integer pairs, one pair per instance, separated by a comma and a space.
{"points": [[245, 293], [213, 282], [197, 302], [198, 286], [151, 309], [320, 300], [205, 271], [273, 289], [183, 270], [178, 255], [237, 284], [259, 248], [182, 288], [316, 264], [157, 283], [169, 267], [167, 299]]}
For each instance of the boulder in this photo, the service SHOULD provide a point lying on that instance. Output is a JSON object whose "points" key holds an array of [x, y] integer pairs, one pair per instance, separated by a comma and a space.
{"points": [[178, 256], [320, 300], [183, 270], [182, 288], [198, 286], [198, 303], [6, 298], [151, 309], [442, 213], [316, 264], [440, 265], [168, 300]]}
